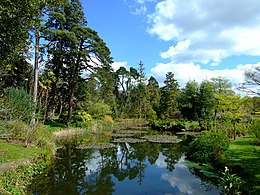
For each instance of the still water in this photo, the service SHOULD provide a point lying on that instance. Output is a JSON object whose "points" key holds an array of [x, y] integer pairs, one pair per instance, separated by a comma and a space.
{"points": [[141, 168]]}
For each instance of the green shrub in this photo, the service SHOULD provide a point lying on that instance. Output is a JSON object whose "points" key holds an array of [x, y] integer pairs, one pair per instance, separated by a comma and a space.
{"points": [[17, 130], [17, 181], [167, 125], [16, 104], [98, 109], [42, 137], [82, 119], [207, 147], [255, 128]]}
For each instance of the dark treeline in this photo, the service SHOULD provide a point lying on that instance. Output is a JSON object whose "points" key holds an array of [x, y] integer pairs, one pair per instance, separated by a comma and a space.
{"points": [[72, 75]]}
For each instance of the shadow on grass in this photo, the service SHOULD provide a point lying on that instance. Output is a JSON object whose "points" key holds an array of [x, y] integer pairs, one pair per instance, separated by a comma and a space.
{"points": [[55, 125], [243, 158]]}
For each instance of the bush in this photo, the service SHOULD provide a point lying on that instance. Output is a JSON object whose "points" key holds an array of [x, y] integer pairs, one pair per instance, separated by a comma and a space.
{"points": [[255, 128], [98, 109], [16, 105], [208, 147], [42, 137], [168, 125], [17, 130], [82, 119]]}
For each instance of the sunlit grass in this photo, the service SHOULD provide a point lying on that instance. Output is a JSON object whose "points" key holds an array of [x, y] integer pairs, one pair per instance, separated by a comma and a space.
{"points": [[12, 152], [244, 153]]}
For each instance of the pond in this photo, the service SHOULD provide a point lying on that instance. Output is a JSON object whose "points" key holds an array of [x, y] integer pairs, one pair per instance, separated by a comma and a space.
{"points": [[124, 168]]}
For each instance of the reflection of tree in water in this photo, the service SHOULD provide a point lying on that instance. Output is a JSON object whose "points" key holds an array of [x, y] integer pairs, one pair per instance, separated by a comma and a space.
{"points": [[72, 174], [172, 154], [130, 164]]}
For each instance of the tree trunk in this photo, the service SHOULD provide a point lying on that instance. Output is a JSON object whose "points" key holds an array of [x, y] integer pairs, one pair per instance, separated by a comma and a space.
{"points": [[74, 81], [45, 105], [70, 105], [36, 70]]}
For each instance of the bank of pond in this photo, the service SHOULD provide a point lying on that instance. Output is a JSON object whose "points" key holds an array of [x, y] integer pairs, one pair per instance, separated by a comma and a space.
{"points": [[138, 160]]}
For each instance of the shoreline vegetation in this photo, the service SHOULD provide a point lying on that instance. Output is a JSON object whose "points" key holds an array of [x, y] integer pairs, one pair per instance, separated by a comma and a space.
{"points": [[20, 165], [73, 96]]}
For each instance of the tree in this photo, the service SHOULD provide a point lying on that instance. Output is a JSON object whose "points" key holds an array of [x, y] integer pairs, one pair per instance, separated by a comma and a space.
{"points": [[169, 96], [39, 13], [141, 72], [15, 21], [222, 86], [233, 109], [126, 81], [72, 49], [153, 93], [206, 100], [252, 82], [189, 100], [17, 74]]}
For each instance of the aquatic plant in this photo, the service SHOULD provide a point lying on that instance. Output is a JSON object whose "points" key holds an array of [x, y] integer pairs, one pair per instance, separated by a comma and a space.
{"points": [[231, 182]]}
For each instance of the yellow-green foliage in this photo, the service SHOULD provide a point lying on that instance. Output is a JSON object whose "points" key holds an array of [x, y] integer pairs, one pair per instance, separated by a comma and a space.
{"points": [[85, 116], [82, 119]]}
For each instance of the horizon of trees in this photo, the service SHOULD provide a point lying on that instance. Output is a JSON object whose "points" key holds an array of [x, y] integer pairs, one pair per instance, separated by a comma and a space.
{"points": [[76, 76]]}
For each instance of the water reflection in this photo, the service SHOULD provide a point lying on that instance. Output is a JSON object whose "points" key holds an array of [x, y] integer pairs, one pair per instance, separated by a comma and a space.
{"points": [[143, 168]]}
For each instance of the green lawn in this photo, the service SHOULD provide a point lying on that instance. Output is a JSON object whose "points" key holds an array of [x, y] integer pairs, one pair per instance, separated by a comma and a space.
{"points": [[10, 152], [245, 154]]}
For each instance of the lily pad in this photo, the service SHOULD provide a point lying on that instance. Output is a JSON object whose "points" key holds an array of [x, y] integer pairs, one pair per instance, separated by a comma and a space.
{"points": [[162, 138], [131, 132], [190, 133], [96, 146], [122, 135], [128, 140]]}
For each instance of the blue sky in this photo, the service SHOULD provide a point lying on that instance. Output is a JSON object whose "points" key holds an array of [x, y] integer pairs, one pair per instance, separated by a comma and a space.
{"points": [[195, 39]]}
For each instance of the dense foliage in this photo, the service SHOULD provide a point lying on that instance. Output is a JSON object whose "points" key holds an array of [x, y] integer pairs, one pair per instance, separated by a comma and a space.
{"points": [[208, 147], [77, 77]]}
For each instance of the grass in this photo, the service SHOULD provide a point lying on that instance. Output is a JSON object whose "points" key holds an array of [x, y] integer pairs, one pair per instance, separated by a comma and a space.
{"points": [[11, 152], [244, 154], [55, 125]]}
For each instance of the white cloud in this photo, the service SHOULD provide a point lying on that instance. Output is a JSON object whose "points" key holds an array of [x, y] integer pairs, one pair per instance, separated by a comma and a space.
{"points": [[160, 162], [117, 65], [190, 71], [186, 183], [174, 50], [216, 29]]}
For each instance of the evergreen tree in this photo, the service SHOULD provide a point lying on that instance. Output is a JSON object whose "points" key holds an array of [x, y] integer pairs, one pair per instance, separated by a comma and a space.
{"points": [[252, 81], [126, 83], [153, 93], [16, 17], [190, 101], [206, 100], [169, 96], [72, 49]]}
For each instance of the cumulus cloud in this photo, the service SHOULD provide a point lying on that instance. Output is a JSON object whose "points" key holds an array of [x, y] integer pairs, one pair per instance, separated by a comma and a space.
{"points": [[186, 183], [190, 71], [214, 29], [117, 65], [160, 162], [180, 47]]}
